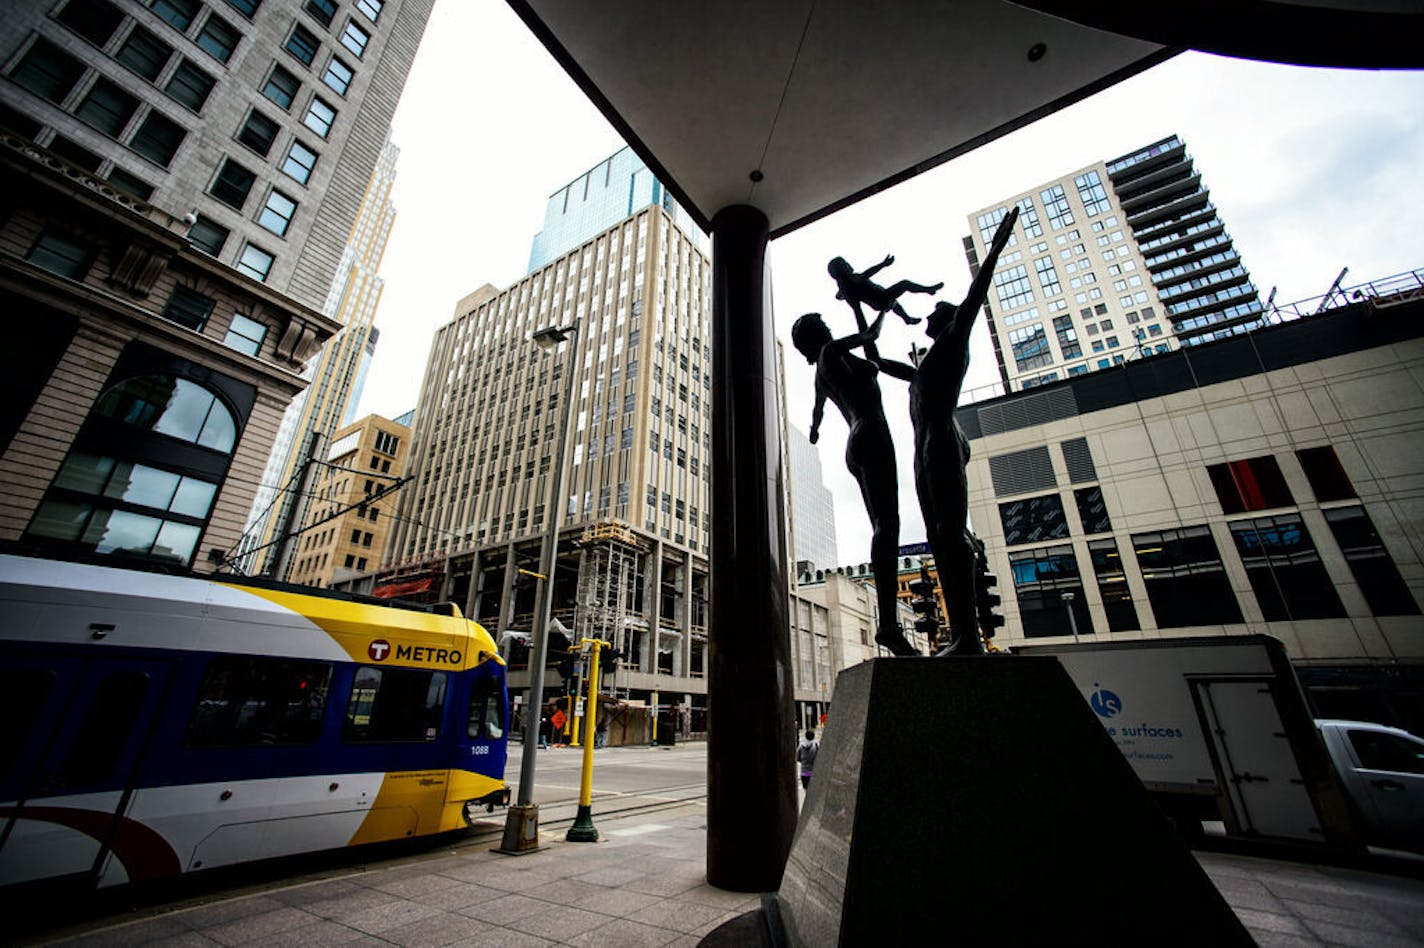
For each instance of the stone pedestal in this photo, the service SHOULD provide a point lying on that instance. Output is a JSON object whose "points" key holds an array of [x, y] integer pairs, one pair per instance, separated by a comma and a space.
{"points": [[978, 800]]}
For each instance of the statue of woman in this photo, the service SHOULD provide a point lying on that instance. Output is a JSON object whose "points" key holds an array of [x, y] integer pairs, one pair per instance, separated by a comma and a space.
{"points": [[942, 450], [849, 381]]}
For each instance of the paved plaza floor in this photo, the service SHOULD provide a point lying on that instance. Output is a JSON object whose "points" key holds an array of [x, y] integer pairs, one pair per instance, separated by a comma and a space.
{"points": [[644, 884]]}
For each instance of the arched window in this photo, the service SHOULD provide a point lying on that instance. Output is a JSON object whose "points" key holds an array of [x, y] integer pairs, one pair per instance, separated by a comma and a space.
{"points": [[171, 406]]}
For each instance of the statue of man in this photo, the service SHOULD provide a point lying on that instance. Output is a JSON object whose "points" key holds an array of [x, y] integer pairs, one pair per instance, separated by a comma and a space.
{"points": [[942, 450], [849, 381]]}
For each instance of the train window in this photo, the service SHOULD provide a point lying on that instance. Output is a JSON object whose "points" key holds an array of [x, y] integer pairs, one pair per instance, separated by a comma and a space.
{"points": [[23, 694], [101, 737], [486, 721], [247, 700], [395, 704]]}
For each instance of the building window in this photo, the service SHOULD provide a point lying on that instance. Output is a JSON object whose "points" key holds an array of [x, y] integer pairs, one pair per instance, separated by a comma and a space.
{"points": [[233, 184], [1285, 571], [299, 163], [372, 8], [1033, 520], [255, 262], [355, 39], [323, 11], [1186, 583], [302, 44], [1030, 347], [1047, 276], [386, 443], [338, 76], [47, 71], [73, 153], [1370, 563], [207, 235], [61, 254], [1326, 474], [247, 8], [1055, 202], [178, 13], [319, 116], [158, 138], [1013, 287], [1041, 577], [1112, 586], [95, 20], [1092, 510], [1092, 193], [218, 38], [144, 53], [245, 334], [188, 308], [258, 133], [1251, 484], [189, 86], [130, 184], [277, 214], [281, 87]]}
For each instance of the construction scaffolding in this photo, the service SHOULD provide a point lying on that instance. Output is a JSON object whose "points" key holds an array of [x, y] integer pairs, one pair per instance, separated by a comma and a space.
{"points": [[609, 561]]}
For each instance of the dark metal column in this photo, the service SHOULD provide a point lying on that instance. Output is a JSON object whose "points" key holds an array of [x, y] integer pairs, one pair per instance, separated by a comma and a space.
{"points": [[751, 781]]}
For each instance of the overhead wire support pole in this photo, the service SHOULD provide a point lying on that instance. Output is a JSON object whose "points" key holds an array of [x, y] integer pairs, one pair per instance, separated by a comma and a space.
{"points": [[521, 827]]}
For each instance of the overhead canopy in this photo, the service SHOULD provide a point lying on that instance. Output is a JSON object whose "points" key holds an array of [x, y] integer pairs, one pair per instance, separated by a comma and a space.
{"points": [[799, 107]]}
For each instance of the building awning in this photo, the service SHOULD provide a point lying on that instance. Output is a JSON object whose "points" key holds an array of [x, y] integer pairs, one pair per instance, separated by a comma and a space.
{"points": [[405, 588], [805, 106]]}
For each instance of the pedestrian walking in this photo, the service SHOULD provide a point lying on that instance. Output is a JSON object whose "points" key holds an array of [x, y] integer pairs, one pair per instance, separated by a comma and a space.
{"points": [[806, 756], [544, 732], [600, 733]]}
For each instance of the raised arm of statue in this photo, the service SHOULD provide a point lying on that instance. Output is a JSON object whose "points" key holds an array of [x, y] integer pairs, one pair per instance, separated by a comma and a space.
{"points": [[979, 288]]}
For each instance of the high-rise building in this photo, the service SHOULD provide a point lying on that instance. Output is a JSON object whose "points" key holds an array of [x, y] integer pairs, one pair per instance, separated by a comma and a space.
{"points": [[249, 131], [335, 376], [633, 517], [813, 509], [1119, 260], [350, 517], [259, 122]]}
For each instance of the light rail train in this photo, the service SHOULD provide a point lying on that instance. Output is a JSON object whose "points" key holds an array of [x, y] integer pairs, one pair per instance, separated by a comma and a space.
{"points": [[152, 725]]}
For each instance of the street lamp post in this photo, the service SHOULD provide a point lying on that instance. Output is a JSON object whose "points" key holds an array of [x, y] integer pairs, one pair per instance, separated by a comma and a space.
{"points": [[521, 825], [1068, 598]]}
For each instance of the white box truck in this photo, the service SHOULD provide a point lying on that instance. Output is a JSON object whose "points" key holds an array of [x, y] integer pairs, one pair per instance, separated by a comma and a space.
{"points": [[1217, 728]]}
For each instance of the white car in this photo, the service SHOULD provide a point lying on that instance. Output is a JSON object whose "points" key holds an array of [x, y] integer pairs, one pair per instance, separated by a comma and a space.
{"points": [[1382, 769]]}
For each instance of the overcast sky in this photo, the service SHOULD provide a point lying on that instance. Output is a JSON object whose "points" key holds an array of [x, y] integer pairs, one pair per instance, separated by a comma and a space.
{"points": [[1312, 170]]}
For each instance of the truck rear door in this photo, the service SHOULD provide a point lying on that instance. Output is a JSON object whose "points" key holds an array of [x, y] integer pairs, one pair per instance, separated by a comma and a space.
{"points": [[1249, 743]]}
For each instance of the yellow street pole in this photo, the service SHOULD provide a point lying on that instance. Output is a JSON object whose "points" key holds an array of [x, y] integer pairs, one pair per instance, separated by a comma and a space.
{"points": [[583, 830], [573, 707], [655, 717]]}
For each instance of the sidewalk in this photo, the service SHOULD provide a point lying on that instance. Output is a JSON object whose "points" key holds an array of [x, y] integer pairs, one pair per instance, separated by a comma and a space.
{"points": [[644, 884]]}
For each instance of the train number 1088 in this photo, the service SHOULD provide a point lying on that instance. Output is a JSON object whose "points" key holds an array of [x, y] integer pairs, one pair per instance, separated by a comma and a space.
{"points": [[480, 750]]}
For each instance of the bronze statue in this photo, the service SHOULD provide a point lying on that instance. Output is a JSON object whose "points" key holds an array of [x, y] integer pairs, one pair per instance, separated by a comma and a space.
{"points": [[849, 381], [942, 450], [857, 289]]}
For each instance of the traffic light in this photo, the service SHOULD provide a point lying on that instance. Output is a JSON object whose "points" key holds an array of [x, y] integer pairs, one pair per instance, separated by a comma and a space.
{"points": [[985, 596], [922, 600]]}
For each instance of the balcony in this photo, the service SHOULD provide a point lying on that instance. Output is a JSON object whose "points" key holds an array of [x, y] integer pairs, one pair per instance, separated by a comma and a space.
{"points": [[1195, 249], [1196, 221], [1155, 188], [1130, 167], [1210, 302], [1222, 278], [1176, 208], [1169, 277]]}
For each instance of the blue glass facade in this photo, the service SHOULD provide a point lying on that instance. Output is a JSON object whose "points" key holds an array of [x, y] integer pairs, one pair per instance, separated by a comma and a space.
{"points": [[596, 200]]}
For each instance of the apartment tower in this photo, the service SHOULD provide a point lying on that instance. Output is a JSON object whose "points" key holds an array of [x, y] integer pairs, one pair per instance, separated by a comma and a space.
{"points": [[1116, 261]]}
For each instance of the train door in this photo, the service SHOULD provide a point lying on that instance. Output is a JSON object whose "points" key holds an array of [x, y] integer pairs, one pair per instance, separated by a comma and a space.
{"points": [[1263, 778], [71, 789]]}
